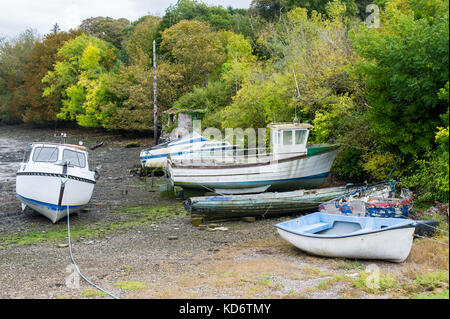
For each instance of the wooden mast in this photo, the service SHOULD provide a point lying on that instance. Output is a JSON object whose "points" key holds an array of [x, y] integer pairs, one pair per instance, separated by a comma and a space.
{"points": [[155, 106]]}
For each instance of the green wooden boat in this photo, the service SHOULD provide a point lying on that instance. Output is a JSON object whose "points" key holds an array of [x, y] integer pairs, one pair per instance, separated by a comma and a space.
{"points": [[264, 204]]}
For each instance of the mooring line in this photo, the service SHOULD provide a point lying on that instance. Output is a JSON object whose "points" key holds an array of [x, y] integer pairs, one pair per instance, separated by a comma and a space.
{"points": [[71, 255], [436, 241]]}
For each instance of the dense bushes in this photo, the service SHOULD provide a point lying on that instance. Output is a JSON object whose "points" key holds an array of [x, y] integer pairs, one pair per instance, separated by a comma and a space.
{"points": [[382, 93]]}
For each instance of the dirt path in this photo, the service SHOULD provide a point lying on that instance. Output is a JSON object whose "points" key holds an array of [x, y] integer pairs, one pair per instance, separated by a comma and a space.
{"points": [[137, 245]]}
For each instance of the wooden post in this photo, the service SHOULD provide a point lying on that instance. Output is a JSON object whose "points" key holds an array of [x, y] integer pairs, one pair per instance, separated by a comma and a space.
{"points": [[155, 106]]}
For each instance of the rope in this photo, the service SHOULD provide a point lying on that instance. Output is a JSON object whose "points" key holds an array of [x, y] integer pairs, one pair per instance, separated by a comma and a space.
{"points": [[432, 227], [71, 255], [436, 241]]}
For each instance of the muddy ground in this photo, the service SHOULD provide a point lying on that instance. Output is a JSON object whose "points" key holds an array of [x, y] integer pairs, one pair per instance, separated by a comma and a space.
{"points": [[136, 245]]}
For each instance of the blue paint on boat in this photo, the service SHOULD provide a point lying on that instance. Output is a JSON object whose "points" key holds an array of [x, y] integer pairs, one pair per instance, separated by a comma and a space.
{"points": [[253, 183], [144, 158], [50, 206]]}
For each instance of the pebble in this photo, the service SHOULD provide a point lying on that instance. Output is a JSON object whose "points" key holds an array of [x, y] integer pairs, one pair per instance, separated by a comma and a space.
{"points": [[172, 237]]}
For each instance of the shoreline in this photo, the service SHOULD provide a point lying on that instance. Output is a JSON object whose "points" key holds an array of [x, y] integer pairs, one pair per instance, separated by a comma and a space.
{"points": [[137, 245]]}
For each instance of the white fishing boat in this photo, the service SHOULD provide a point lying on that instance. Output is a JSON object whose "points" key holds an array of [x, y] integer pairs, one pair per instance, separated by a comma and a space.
{"points": [[293, 164], [333, 235], [55, 177], [189, 145]]}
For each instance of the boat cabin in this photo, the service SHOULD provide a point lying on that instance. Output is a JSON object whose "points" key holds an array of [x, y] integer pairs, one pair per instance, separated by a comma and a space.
{"points": [[75, 155], [289, 138]]}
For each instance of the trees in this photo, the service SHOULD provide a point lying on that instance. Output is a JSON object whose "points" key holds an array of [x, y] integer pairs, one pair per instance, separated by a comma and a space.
{"points": [[77, 75], [141, 39], [196, 48], [106, 28], [14, 55], [405, 66], [42, 110]]}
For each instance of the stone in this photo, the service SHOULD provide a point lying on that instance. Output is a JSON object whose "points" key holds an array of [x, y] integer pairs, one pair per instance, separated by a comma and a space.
{"points": [[248, 219], [196, 221]]}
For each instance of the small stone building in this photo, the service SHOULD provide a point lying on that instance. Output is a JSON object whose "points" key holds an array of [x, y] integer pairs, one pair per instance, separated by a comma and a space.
{"points": [[180, 122]]}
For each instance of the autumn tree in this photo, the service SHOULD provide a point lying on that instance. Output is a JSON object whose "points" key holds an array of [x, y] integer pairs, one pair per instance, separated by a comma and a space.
{"points": [[83, 62], [141, 39], [195, 47], [42, 110], [106, 28], [14, 55]]}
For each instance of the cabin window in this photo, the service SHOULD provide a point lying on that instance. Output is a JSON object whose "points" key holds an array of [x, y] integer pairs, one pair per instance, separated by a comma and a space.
{"points": [[74, 158], [300, 136], [287, 137], [45, 154]]}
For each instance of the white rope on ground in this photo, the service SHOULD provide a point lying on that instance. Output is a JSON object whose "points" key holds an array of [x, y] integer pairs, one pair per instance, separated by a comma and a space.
{"points": [[71, 254], [436, 241]]}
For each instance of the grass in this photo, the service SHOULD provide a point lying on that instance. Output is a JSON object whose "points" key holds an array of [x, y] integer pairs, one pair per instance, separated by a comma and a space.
{"points": [[92, 293], [439, 295], [140, 215], [432, 280], [324, 285], [375, 283], [356, 265], [130, 285]]}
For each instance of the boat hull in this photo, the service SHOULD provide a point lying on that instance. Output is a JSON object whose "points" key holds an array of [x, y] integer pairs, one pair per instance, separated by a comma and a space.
{"points": [[332, 235], [44, 192], [265, 204], [393, 245], [282, 175]]}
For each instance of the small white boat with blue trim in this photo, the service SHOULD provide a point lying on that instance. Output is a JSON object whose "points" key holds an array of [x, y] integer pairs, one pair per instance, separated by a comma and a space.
{"points": [[334, 235], [54, 177], [188, 145], [292, 165]]}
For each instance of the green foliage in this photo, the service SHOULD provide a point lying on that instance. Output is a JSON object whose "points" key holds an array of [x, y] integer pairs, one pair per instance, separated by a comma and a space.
{"points": [[14, 56], [42, 110], [406, 63], [84, 61], [140, 41], [196, 47], [106, 28]]}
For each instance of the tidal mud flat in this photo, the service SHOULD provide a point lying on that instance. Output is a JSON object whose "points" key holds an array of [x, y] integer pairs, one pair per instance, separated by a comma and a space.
{"points": [[133, 243]]}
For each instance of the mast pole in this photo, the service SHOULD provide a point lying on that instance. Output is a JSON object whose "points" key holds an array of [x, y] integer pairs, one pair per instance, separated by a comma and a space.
{"points": [[155, 106]]}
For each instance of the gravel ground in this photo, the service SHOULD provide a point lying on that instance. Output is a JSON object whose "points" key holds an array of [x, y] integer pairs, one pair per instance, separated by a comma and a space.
{"points": [[168, 258]]}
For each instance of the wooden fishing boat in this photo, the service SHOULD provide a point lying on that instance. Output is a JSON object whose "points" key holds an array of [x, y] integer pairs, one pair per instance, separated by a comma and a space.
{"points": [[382, 200], [54, 178], [183, 147], [292, 165], [264, 204], [333, 235]]}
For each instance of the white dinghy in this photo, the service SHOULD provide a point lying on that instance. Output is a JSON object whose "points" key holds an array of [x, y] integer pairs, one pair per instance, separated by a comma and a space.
{"points": [[54, 177], [334, 235]]}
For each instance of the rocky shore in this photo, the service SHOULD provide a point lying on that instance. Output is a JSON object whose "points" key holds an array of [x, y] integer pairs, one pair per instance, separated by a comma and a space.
{"points": [[134, 244]]}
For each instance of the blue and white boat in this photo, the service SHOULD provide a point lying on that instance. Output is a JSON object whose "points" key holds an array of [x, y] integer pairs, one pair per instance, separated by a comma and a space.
{"points": [[342, 236], [183, 147], [54, 178]]}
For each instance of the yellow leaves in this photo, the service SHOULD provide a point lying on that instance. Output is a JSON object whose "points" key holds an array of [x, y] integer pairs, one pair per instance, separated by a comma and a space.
{"points": [[90, 58]]}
